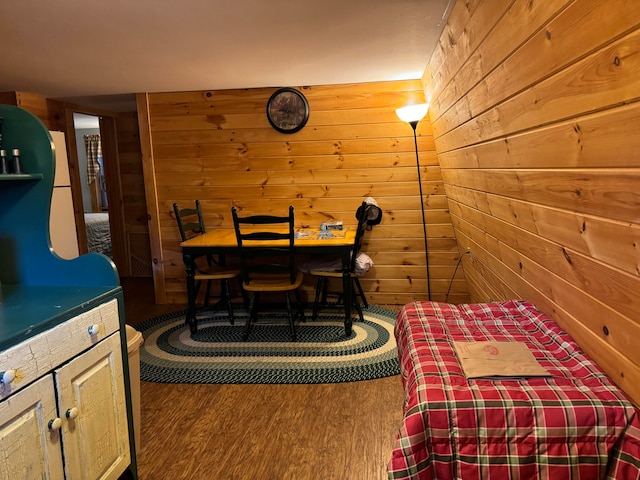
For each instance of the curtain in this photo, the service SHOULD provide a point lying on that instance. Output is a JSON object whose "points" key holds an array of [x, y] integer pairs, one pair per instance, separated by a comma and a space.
{"points": [[94, 153]]}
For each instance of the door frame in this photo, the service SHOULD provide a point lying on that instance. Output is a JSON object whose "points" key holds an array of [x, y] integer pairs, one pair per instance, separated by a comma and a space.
{"points": [[109, 141]]}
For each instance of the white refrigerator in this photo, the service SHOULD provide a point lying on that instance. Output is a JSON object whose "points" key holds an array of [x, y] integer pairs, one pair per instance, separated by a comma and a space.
{"points": [[62, 223]]}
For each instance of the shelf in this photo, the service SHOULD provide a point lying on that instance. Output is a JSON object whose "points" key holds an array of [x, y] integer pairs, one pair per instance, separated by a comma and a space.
{"points": [[23, 177]]}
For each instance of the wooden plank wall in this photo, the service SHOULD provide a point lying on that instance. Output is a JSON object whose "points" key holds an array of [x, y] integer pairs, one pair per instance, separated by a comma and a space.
{"points": [[133, 196], [217, 146], [50, 112], [535, 116]]}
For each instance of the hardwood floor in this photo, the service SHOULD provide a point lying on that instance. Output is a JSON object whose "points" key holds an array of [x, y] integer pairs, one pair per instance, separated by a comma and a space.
{"points": [[340, 431]]}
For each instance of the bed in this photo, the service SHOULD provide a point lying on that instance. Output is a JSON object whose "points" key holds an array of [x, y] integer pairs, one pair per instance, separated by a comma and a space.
{"points": [[98, 233], [573, 424]]}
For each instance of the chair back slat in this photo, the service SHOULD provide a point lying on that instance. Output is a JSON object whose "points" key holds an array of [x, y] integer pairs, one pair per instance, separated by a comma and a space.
{"points": [[190, 221], [191, 224], [263, 219], [253, 232], [261, 236]]}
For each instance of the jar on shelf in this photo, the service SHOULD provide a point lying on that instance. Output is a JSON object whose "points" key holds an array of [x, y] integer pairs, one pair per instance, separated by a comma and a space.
{"points": [[4, 163], [16, 164]]}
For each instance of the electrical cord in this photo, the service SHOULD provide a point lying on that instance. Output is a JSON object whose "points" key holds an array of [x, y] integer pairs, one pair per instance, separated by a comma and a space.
{"points": [[446, 298]]}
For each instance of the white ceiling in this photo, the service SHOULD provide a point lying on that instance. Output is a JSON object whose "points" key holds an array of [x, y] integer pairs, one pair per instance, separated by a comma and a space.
{"points": [[77, 50]]}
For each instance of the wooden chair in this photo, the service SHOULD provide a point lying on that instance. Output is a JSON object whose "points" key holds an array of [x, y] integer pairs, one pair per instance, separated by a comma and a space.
{"points": [[190, 223], [268, 261], [323, 275]]}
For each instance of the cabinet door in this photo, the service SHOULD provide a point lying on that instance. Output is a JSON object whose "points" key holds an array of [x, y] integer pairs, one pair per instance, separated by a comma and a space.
{"points": [[93, 408], [28, 449]]}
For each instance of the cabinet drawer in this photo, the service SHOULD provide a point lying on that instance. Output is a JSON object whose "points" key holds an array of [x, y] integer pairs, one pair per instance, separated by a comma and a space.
{"points": [[39, 355]]}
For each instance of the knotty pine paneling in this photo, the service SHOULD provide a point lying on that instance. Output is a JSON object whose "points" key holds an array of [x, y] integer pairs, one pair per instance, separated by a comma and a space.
{"points": [[534, 120], [218, 147], [50, 112], [136, 228]]}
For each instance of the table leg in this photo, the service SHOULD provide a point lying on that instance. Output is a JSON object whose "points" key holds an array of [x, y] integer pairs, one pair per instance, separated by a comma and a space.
{"points": [[346, 290], [191, 292]]}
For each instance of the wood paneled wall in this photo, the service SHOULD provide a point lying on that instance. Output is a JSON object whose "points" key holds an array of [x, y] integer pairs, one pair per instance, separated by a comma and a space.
{"points": [[50, 112], [535, 114], [136, 223], [217, 146]]}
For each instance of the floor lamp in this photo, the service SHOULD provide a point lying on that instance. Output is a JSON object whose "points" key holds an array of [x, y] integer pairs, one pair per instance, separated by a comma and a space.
{"points": [[412, 115]]}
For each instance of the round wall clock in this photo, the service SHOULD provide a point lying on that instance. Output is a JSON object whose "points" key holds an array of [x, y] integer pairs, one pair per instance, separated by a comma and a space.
{"points": [[287, 110]]}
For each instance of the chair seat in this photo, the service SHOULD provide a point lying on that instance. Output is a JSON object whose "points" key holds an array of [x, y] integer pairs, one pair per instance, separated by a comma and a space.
{"points": [[273, 283], [335, 274], [217, 274]]}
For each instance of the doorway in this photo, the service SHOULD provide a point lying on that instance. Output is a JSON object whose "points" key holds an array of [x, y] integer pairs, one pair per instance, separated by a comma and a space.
{"points": [[91, 168], [110, 208]]}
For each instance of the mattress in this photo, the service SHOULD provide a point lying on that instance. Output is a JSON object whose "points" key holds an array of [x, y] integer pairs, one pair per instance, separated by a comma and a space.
{"points": [[98, 233], [574, 424]]}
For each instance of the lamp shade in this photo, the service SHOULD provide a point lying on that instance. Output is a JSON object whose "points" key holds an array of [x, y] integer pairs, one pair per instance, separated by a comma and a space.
{"points": [[412, 113]]}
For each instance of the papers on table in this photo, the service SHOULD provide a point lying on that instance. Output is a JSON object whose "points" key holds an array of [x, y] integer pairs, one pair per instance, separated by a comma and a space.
{"points": [[314, 234]]}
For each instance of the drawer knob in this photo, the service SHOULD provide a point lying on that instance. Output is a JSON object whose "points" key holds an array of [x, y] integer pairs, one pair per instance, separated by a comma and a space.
{"points": [[72, 413], [55, 424], [7, 376], [94, 329]]}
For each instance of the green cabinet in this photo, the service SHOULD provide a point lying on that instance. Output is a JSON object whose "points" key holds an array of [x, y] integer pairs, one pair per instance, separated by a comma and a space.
{"points": [[40, 292]]}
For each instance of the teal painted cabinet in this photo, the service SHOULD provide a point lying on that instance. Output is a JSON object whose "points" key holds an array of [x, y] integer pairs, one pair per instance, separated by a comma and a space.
{"points": [[65, 400]]}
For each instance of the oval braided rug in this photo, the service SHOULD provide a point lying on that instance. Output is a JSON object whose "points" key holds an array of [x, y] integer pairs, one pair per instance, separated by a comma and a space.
{"points": [[217, 353]]}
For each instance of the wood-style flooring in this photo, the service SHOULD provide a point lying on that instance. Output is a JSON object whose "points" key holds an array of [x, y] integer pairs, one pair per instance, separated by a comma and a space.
{"points": [[340, 431]]}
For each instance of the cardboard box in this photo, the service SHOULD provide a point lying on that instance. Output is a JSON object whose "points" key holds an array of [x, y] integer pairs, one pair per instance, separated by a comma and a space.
{"points": [[498, 359]]}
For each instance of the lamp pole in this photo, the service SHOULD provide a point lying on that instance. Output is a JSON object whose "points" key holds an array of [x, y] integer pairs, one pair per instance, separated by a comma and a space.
{"points": [[412, 115]]}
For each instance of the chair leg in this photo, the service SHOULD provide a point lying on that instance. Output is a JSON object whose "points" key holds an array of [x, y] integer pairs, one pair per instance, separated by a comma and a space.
{"points": [[254, 315], [356, 304], [325, 287], [197, 289], [292, 326], [361, 292], [225, 292], [252, 306], [243, 292], [207, 294], [300, 306], [314, 312]]}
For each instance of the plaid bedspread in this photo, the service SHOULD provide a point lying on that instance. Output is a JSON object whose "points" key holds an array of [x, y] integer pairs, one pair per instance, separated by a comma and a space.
{"points": [[574, 425]]}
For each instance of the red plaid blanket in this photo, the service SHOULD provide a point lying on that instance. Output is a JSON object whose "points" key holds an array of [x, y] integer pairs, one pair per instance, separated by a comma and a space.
{"points": [[574, 425]]}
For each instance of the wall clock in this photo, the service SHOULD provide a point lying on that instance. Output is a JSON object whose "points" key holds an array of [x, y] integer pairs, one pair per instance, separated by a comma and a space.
{"points": [[287, 110]]}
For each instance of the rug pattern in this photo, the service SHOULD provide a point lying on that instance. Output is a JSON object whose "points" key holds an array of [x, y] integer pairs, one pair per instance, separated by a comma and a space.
{"points": [[217, 353]]}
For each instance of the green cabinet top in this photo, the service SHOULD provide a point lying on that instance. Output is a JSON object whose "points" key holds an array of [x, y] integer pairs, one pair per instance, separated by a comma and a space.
{"points": [[28, 311]]}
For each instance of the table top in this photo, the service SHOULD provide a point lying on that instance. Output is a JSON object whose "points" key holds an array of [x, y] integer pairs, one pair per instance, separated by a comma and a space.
{"points": [[304, 238]]}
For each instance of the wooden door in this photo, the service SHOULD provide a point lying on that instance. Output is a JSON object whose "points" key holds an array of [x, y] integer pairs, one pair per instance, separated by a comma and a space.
{"points": [[93, 407], [28, 448]]}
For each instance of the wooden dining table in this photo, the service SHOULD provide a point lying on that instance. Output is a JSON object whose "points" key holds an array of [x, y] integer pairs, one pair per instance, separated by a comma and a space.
{"points": [[223, 242]]}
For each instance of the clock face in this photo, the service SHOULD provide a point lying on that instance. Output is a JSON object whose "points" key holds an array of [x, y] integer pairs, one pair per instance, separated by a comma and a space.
{"points": [[287, 110]]}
